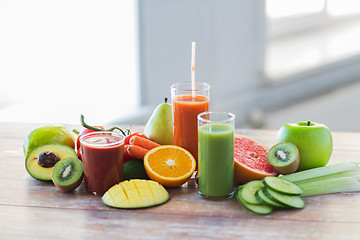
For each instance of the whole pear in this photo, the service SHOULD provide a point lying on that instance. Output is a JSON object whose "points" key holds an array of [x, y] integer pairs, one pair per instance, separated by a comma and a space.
{"points": [[159, 128]]}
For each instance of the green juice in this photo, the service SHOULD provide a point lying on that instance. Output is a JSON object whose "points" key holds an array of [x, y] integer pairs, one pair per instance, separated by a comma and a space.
{"points": [[216, 160]]}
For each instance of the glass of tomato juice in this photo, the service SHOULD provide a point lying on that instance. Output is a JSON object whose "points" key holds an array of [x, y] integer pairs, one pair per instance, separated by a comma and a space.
{"points": [[102, 156], [187, 103]]}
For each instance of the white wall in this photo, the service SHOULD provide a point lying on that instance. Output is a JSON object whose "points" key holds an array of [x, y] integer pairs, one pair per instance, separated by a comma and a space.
{"points": [[227, 33], [59, 59]]}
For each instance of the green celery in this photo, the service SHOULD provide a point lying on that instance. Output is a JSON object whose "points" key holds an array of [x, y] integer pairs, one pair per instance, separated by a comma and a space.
{"points": [[327, 186], [321, 172], [352, 173]]}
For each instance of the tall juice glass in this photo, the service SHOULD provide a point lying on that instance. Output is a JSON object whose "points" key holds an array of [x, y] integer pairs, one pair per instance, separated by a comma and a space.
{"points": [[102, 156], [187, 103], [216, 155]]}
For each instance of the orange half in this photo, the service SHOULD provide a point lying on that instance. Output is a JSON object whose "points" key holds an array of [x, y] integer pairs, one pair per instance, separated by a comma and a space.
{"points": [[169, 165]]}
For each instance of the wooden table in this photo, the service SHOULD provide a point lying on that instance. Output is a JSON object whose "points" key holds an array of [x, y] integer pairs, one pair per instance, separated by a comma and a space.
{"points": [[31, 209]]}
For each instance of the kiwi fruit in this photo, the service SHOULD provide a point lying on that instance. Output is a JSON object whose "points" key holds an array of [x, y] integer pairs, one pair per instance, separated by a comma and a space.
{"points": [[284, 157], [67, 174]]}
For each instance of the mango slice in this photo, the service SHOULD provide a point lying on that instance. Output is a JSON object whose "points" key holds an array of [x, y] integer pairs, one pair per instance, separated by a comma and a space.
{"points": [[135, 193]]}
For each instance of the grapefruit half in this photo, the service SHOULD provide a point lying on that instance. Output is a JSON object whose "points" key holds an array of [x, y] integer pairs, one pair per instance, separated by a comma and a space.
{"points": [[250, 160]]}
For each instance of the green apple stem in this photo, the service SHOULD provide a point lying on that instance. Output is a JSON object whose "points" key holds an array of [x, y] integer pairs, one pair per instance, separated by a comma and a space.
{"points": [[85, 125], [308, 123]]}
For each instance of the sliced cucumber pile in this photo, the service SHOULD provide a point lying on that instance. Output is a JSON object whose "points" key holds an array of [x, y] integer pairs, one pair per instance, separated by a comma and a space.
{"points": [[261, 209], [261, 197]]}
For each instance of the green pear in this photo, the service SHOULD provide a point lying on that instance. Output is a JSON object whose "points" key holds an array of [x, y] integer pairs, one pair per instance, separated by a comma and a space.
{"points": [[159, 128]]}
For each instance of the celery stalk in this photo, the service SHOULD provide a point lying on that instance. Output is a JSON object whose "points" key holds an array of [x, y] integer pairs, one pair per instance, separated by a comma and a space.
{"points": [[321, 172], [351, 173], [341, 177], [335, 185]]}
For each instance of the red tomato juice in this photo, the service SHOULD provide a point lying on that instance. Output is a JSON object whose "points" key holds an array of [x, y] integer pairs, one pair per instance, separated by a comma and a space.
{"points": [[103, 162], [186, 109]]}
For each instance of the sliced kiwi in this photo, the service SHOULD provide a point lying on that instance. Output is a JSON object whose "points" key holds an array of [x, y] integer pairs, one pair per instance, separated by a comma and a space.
{"points": [[67, 174], [284, 157]]}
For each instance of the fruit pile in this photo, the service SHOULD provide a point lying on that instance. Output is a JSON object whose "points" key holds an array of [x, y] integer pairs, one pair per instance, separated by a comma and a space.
{"points": [[50, 156], [269, 179]]}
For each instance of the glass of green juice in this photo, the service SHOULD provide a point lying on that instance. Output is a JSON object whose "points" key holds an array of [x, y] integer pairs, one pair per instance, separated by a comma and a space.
{"points": [[216, 155]]}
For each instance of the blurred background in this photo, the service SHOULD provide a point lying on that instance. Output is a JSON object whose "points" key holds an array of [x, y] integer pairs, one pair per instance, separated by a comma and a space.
{"points": [[268, 61]]}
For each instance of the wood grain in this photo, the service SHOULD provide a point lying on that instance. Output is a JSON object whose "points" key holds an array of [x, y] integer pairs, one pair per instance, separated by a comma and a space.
{"points": [[32, 209]]}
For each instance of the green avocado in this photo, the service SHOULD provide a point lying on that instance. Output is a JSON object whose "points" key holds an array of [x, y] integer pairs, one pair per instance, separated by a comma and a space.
{"points": [[48, 134], [41, 160], [134, 169]]}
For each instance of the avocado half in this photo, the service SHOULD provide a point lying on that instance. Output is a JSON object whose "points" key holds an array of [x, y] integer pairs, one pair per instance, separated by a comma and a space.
{"points": [[44, 173]]}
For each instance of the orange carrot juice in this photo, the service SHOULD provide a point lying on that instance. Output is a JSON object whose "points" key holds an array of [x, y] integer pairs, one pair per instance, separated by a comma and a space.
{"points": [[185, 111]]}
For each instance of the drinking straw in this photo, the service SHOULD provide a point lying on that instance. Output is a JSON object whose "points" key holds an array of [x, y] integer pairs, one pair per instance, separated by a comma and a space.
{"points": [[193, 69]]}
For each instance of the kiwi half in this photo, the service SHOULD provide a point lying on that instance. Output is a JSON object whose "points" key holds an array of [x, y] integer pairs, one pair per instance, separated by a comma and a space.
{"points": [[67, 174], [284, 157]]}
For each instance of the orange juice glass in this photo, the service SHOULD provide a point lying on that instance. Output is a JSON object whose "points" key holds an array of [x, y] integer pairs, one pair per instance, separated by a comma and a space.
{"points": [[187, 103]]}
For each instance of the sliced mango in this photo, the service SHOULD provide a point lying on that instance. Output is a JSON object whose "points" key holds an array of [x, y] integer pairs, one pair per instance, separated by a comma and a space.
{"points": [[135, 193]]}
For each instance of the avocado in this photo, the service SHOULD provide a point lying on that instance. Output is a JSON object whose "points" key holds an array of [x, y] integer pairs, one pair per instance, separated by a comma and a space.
{"points": [[48, 134], [41, 160], [134, 169]]}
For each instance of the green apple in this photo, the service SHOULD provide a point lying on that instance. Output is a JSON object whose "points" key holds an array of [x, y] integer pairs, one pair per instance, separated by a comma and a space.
{"points": [[313, 140], [159, 128]]}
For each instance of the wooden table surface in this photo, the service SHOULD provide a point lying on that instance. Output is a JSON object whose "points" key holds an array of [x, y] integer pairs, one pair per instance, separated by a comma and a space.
{"points": [[31, 209]]}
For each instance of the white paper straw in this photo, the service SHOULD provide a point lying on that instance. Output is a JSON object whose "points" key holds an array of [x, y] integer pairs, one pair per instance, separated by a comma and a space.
{"points": [[193, 69]]}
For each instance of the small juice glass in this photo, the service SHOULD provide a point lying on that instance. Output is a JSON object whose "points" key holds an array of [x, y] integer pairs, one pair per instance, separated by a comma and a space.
{"points": [[102, 156], [187, 103], [216, 155]]}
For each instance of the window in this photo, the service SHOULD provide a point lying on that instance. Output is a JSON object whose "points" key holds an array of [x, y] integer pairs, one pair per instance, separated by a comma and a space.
{"points": [[305, 34], [60, 59]]}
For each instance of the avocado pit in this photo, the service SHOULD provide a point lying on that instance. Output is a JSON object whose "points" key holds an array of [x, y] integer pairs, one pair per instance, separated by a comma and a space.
{"points": [[47, 159]]}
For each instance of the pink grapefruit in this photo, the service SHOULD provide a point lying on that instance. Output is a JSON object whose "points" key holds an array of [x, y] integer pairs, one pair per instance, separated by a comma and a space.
{"points": [[250, 160]]}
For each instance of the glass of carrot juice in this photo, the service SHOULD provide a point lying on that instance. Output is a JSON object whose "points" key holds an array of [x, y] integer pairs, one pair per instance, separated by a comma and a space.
{"points": [[102, 154], [187, 102]]}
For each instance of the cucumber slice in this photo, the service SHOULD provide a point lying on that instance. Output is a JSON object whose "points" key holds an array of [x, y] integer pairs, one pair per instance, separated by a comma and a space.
{"points": [[255, 208], [261, 197], [282, 186], [288, 200], [249, 190]]}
